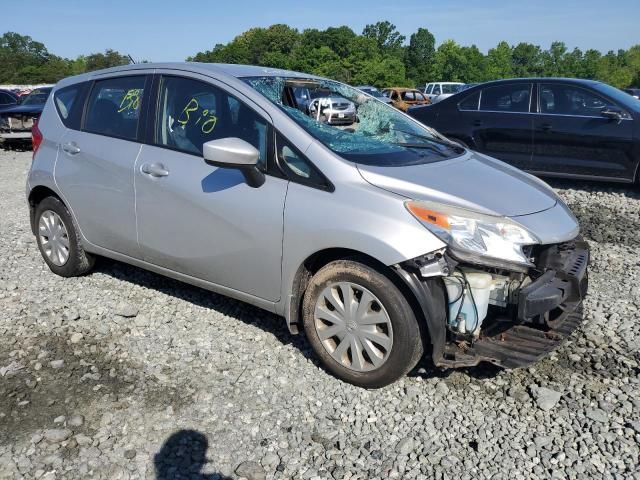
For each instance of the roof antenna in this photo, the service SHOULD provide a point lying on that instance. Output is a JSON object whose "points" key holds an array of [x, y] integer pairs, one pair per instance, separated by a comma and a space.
{"points": [[133, 62]]}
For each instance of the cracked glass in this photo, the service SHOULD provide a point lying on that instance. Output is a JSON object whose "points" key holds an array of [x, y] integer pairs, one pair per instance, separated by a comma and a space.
{"points": [[353, 124]]}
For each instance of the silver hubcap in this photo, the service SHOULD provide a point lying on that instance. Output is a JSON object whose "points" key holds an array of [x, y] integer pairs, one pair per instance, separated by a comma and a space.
{"points": [[353, 326], [53, 237]]}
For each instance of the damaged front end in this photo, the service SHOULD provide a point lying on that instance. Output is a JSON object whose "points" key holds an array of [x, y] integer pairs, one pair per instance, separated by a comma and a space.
{"points": [[508, 317]]}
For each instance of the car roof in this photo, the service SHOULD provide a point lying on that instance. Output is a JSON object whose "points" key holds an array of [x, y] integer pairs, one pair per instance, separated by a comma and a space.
{"points": [[578, 81], [218, 69]]}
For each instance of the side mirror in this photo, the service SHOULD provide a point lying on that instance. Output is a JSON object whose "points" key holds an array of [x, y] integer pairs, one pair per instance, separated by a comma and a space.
{"points": [[611, 114], [235, 153]]}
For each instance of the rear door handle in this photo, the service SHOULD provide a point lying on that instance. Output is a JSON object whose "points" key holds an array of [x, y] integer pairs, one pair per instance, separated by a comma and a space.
{"points": [[154, 169], [477, 123], [546, 127], [71, 148]]}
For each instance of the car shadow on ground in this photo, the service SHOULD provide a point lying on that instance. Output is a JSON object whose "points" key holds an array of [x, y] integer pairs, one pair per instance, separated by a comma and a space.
{"points": [[200, 297], [183, 456], [249, 314]]}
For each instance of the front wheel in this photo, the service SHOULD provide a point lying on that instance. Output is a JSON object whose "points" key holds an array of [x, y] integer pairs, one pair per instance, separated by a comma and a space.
{"points": [[360, 324]]}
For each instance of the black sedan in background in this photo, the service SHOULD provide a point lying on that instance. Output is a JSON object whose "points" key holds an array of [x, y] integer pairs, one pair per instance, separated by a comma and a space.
{"points": [[16, 122], [547, 126], [8, 99]]}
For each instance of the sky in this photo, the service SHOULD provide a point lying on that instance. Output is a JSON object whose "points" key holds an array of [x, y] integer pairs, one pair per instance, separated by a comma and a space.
{"points": [[161, 30]]}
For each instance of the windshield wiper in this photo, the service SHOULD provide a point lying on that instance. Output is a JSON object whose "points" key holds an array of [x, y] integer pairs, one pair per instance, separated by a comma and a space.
{"points": [[422, 146], [445, 143]]}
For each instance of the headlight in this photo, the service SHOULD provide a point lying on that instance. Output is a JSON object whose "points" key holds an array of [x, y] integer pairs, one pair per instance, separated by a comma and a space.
{"points": [[471, 234]]}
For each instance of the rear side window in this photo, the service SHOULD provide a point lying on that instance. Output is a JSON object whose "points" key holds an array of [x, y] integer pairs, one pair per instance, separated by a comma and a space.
{"points": [[68, 102], [506, 98], [114, 107], [470, 103]]}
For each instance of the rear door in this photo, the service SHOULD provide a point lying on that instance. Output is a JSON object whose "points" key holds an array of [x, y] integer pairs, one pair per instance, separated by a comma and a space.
{"points": [[95, 164], [502, 125], [199, 220], [573, 138]]}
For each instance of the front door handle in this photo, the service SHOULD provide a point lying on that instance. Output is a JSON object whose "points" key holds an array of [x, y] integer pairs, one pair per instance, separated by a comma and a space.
{"points": [[477, 123], [546, 127], [154, 169], [71, 148]]}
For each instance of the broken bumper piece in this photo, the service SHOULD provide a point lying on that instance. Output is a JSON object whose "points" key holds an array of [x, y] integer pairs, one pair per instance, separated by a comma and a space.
{"points": [[549, 310]]}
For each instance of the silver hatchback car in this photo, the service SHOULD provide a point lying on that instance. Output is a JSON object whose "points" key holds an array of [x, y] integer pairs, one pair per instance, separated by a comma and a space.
{"points": [[380, 239]]}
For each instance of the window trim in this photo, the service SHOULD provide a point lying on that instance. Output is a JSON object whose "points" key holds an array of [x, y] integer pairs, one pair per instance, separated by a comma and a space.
{"points": [[627, 115], [293, 177], [460, 109], [139, 137], [74, 120]]}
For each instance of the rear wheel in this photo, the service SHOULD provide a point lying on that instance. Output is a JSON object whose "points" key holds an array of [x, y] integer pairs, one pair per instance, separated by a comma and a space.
{"points": [[360, 324], [59, 241]]}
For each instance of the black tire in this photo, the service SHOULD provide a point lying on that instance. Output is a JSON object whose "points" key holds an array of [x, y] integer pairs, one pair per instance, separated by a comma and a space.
{"points": [[78, 262], [407, 344]]}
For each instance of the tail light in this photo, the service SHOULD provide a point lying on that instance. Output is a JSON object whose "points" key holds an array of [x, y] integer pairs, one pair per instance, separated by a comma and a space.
{"points": [[36, 136]]}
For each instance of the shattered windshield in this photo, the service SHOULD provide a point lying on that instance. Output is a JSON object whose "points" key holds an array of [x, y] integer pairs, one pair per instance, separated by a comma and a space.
{"points": [[357, 127]]}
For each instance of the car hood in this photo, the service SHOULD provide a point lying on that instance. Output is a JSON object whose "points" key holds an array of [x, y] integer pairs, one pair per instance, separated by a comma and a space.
{"points": [[472, 181]]}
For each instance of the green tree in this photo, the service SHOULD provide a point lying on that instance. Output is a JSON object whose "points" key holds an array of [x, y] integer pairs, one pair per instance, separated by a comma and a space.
{"points": [[110, 58], [389, 40], [526, 60], [420, 55], [20, 57], [450, 62], [499, 62]]}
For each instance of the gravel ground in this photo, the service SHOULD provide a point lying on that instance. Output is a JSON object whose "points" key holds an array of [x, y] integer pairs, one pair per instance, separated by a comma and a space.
{"points": [[124, 374]]}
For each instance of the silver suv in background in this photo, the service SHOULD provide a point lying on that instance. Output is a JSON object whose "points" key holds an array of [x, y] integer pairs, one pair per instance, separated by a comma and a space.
{"points": [[379, 239], [438, 91]]}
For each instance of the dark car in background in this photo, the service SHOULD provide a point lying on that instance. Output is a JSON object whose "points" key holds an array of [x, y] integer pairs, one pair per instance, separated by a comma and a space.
{"points": [[547, 126], [16, 121], [8, 99]]}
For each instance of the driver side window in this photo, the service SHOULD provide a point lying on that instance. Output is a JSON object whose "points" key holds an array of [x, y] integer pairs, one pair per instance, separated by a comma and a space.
{"points": [[191, 113]]}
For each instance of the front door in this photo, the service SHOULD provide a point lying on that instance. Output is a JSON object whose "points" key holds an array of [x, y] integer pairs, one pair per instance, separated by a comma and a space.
{"points": [[95, 164], [572, 137], [203, 221]]}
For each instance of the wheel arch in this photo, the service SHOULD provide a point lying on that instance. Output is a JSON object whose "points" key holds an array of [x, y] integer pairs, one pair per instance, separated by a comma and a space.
{"points": [[407, 284], [36, 195]]}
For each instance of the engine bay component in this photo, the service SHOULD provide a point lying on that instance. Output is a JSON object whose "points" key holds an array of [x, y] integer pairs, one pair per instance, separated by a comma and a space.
{"points": [[468, 294]]}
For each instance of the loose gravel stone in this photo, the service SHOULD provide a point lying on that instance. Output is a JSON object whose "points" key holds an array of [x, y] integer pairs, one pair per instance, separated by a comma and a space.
{"points": [[545, 398], [57, 364], [190, 384], [251, 471], [75, 421], [56, 435], [127, 310]]}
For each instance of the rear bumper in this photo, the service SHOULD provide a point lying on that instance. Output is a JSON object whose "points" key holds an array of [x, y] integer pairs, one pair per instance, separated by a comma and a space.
{"points": [[15, 135]]}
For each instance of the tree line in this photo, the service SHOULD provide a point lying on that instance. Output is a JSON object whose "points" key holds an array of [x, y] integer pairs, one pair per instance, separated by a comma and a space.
{"points": [[379, 56]]}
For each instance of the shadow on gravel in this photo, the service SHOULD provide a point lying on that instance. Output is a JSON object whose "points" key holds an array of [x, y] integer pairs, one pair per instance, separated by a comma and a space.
{"points": [[244, 312], [627, 190], [252, 315], [183, 456]]}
